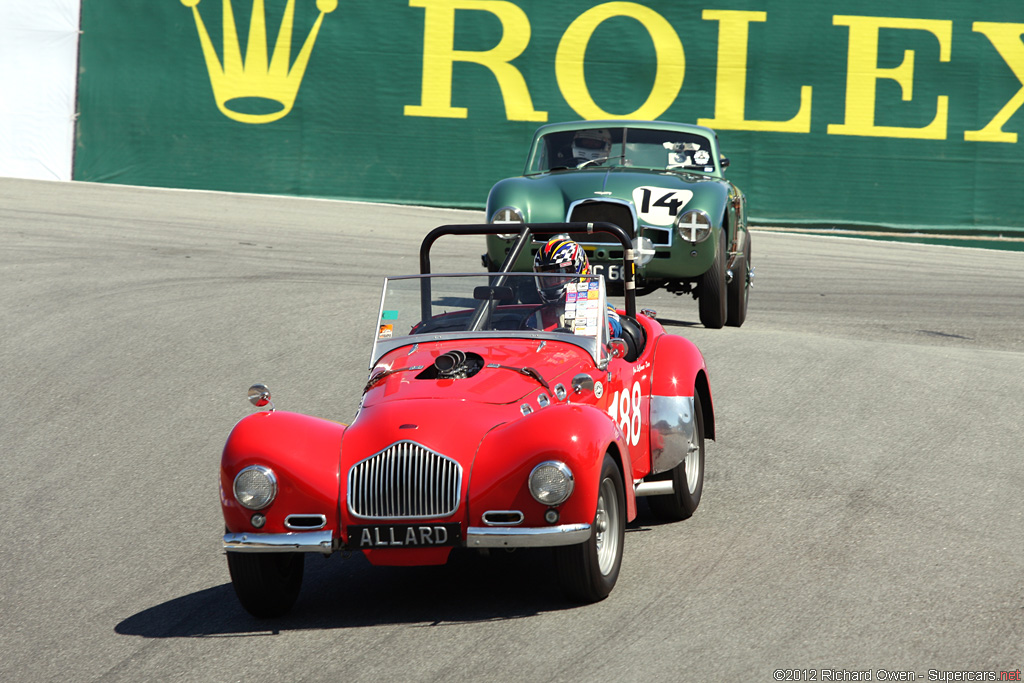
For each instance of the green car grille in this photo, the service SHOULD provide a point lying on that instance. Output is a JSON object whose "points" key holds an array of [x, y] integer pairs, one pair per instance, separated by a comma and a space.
{"points": [[608, 212]]}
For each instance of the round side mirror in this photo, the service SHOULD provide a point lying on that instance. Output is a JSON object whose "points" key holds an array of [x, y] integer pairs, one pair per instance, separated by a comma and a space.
{"points": [[259, 395], [617, 347], [582, 382]]}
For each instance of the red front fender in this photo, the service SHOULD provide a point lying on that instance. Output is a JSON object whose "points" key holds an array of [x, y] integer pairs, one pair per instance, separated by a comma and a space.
{"points": [[577, 435], [302, 452], [679, 370]]}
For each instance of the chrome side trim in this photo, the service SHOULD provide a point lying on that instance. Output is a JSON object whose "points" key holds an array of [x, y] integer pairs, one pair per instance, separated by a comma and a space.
{"points": [[511, 537], [672, 419], [298, 542]]}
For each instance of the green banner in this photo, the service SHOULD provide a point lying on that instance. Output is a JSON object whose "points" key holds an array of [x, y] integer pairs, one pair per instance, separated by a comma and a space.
{"points": [[842, 113]]}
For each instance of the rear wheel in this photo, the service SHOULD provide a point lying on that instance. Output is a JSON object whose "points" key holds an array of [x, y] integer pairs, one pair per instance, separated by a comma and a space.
{"points": [[739, 289], [711, 290], [267, 584], [588, 571], [687, 477]]}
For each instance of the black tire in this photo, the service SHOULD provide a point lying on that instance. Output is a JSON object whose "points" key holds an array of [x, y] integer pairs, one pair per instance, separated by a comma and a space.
{"points": [[687, 486], [711, 290], [739, 289], [267, 584], [588, 571]]}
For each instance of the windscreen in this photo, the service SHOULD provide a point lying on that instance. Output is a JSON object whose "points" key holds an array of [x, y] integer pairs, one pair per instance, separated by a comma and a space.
{"points": [[421, 307], [624, 147]]}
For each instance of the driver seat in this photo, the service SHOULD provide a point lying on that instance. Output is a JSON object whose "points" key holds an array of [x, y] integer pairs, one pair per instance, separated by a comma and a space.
{"points": [[634, 335]]}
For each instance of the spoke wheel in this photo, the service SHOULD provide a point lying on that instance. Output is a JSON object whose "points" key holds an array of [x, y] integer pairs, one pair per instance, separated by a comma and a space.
{"points": [[588, 571], [739, 289], [711, 290], [606, 524]]}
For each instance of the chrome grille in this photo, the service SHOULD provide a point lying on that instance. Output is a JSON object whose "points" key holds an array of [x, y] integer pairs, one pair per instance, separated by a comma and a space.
{"points": [[405, 480]]}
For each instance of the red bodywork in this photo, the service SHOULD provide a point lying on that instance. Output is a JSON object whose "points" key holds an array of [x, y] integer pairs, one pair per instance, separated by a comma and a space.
{"points": [[479, 422]]}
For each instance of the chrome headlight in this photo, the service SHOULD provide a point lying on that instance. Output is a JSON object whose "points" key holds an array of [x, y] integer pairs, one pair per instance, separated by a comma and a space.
{"points": [[510, 216], [551, 482], [255, 487], [693, 226]]}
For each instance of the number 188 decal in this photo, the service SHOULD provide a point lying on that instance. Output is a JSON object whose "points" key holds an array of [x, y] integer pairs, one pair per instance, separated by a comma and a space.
{"points": [[625, 412]]}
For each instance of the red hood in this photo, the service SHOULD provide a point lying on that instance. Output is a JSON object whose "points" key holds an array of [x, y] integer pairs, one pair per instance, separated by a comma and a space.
{"points": [[491, 385], [444, 426]]}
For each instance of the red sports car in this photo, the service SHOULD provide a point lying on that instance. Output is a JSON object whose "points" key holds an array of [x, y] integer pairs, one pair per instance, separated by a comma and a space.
{"points": [[479, 427]]}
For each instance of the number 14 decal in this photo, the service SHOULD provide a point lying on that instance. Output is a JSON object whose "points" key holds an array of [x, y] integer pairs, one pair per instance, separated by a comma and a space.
{"points": [[625, 412], [659, 206]]}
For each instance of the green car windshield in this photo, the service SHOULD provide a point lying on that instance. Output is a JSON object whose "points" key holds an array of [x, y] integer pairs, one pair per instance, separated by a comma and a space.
{"points": [[661, 150], [422, 308]]}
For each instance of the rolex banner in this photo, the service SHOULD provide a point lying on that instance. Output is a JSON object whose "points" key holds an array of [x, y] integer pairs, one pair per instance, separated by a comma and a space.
{"points": [[851, 112]]}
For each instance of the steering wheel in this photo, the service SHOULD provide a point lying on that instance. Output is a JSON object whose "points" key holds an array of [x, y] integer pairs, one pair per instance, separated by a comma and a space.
{"points": [[523, 326], [592, 161], [526, 318]]}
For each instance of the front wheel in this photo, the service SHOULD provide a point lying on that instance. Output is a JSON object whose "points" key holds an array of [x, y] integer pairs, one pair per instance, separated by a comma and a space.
{"points": [[588, 571], [711, 290], [267, 584], [687, 477]]}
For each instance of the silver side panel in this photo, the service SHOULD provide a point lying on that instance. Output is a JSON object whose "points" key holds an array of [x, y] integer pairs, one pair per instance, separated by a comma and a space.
{"points": [[672, 420]]}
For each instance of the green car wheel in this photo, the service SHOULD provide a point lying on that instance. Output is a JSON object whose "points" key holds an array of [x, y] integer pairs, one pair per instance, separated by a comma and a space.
{"points": [[711, 292]]}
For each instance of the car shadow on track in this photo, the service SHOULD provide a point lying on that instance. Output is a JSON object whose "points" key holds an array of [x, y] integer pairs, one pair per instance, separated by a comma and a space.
{"points": [[668, 322], [350, 593]]}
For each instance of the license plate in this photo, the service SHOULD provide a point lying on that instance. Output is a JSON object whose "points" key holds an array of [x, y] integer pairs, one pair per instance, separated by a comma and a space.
{"points": [[404, 535], [611, 271]]}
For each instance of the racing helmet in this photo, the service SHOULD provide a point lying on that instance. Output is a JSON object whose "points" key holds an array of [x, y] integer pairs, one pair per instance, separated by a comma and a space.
{"points": [[563, 256], [592, 144]]}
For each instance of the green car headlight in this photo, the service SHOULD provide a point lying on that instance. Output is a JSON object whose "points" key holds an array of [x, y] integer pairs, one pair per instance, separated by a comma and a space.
{"points": [[255, 487], [551, 482], [510, 216], [693, 226]]}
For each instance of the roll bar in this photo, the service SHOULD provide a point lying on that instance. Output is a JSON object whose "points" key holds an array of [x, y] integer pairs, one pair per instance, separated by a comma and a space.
{"points": [[526, 233]]}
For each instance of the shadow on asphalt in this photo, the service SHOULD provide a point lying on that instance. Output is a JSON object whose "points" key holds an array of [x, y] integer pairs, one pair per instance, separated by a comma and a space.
{"points": [[668, 322], [339, 593], [350, 593]]}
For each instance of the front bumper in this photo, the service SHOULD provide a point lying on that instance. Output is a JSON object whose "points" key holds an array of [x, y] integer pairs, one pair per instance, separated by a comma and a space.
{"points": [[295, 542], [533, 537], [477, 537]]}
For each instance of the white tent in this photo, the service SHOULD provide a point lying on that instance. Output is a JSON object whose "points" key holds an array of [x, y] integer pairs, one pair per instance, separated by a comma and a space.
{"points": [[38, 61]]}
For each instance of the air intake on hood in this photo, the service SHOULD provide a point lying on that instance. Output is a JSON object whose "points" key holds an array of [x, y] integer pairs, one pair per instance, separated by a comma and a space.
{"points": [[405, 480], [454, 364]]}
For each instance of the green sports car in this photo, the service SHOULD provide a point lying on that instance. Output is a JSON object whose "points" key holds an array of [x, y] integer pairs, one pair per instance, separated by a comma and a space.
{"points": [[662, 182]]}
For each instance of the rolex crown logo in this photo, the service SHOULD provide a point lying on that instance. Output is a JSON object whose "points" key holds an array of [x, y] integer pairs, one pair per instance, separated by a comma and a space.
{"points": [[274, 82]]}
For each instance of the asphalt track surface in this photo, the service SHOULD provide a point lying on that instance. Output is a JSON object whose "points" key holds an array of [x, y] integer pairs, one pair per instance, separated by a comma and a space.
{"points": [[862, 510]]}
